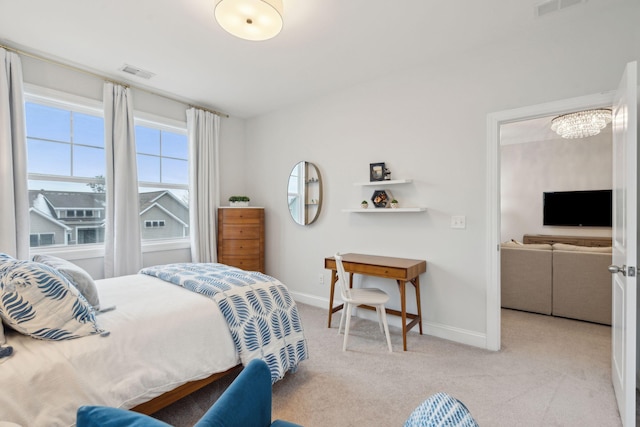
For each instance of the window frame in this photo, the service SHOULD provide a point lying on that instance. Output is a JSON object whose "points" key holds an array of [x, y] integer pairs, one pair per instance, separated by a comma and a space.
{"points": [[169, 125], [67, 101], [86, 105]]}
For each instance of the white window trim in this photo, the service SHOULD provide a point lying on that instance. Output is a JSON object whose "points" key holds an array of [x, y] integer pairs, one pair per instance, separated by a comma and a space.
{"points": [[55, 98], [81, 104]]}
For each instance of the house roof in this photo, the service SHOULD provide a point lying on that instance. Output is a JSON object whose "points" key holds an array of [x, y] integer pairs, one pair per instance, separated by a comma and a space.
{"points": [[325, 45], [46, 202], [70, 199]]}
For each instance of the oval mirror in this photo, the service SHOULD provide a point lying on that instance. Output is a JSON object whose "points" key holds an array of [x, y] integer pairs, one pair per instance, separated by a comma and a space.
{"points": [[304, 193]]}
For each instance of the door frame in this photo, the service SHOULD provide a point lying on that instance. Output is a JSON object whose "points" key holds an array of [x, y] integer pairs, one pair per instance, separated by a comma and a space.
{"points": [[494, 121]]}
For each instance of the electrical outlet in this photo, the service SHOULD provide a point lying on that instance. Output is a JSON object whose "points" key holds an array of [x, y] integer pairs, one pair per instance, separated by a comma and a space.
{"points": [[458, 221], [321, 279]]}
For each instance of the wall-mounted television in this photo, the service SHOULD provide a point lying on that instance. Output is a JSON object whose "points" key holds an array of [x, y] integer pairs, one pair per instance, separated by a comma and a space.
{"points": [[577, 208]]}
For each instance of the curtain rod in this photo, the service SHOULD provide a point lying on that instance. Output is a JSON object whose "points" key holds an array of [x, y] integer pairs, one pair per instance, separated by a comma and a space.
{"points": [[101, 77]]}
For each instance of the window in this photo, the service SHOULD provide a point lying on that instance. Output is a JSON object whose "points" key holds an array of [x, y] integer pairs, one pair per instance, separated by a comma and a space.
{"points": [[154, 224], [43, 239], [163, 178], [66, 166]]}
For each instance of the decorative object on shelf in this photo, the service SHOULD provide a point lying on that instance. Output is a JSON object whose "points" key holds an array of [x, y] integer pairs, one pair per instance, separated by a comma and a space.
{"points": [[239, 201], [380, 198], [376, 171], [364, 204], [253, 20], [582, 123], [387, 174], [394, 204]]}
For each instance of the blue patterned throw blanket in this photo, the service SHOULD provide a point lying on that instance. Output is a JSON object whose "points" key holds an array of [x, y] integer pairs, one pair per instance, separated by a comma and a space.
{"points": [[261, 314]]}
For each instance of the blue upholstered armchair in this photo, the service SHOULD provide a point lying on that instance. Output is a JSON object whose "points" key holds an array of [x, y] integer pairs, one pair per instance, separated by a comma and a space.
{"points": [[246, 403]]}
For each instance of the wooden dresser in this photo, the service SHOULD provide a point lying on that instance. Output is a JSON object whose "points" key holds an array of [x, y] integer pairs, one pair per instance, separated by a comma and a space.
{"points": [[570, 240], [241, 238]]}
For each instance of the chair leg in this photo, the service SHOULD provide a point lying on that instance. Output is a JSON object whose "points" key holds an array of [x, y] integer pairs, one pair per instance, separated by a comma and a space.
{"points": [[344, 308], [379, 317], [346, 328], [386, 327]]}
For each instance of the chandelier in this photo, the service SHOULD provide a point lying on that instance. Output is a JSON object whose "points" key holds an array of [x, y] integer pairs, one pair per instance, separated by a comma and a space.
{"points": [[250, 19], [581, 124]]}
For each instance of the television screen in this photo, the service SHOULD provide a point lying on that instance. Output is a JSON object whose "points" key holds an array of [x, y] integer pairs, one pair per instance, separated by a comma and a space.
{"points": [[578, 208]]}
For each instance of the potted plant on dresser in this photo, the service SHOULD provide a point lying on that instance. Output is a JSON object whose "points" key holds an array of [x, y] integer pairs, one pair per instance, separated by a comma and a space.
{"points": [[239, 201]]}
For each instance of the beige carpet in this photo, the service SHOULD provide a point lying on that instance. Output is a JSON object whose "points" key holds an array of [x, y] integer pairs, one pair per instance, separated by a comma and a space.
{"points": [[550, 372]]}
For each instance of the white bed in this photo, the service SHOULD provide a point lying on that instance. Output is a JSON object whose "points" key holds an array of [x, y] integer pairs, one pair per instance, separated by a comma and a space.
{"points": [[161, 336]]}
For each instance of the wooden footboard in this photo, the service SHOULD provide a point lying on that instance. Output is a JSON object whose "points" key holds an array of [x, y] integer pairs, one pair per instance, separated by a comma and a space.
{"points": [[166, 399]]}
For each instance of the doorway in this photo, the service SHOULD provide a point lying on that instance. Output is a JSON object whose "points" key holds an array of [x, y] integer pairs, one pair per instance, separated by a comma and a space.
{"points": [[494, 123]]}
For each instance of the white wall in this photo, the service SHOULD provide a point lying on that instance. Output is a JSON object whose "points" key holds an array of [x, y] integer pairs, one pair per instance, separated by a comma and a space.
{"points": [[428, 124], [529, 169]]}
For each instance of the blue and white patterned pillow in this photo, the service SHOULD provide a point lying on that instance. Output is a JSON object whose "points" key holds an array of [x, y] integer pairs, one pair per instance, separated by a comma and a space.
{"points": [[4, 258], [37, 300], [441, 410], [76, 275]]}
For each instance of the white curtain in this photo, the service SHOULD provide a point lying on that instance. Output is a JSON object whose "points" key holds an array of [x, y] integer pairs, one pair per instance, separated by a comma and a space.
{"points": [[123, 253], [14, 192], [204, 187]]}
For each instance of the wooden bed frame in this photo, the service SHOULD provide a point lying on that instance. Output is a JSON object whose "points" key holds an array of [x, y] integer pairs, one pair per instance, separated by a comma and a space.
{"points": [[166, 399]]}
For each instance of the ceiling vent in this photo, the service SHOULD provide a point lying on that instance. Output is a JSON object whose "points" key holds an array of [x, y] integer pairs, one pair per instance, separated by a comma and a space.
{"points": [[551, 6], [137, 71]]}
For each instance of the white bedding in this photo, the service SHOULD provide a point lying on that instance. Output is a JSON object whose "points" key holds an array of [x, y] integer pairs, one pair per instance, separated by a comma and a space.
{"points": [[161, 336]]}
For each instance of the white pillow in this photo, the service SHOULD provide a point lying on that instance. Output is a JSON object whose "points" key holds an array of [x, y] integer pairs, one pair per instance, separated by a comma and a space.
{"points": [[38, 301], [76, 275]]}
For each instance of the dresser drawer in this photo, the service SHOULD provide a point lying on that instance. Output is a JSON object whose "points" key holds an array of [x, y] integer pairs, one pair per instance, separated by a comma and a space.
{"points": [[240, 247], [243, 216], [243, 263], [231, 231]]}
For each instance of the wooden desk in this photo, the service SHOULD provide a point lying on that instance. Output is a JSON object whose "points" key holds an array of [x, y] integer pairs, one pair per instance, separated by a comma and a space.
{"points": [[402, 270]]}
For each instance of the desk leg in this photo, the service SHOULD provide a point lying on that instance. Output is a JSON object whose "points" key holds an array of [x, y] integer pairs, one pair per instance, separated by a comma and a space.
{"points": [[334, 277], [403, 304], [416, 283]]}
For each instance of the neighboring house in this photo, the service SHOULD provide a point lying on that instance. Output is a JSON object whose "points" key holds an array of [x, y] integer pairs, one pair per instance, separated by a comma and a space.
{"points": [[76, 218], [163, 215]]}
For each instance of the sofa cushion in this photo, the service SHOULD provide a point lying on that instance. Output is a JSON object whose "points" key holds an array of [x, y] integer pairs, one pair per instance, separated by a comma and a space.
{"points": [[582, 286], [567, 247], [525, 278], [517, 245]]}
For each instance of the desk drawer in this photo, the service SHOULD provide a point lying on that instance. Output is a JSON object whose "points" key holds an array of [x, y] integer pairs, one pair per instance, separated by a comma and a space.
{"points": [[374, 270]]}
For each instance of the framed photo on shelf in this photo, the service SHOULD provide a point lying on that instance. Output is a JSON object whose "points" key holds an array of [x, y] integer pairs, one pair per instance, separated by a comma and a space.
{"points": [[376, 171]]}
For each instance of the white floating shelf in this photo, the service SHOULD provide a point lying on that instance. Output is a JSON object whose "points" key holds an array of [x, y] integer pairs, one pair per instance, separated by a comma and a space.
{"points": [[383, 183], [385, 210]]}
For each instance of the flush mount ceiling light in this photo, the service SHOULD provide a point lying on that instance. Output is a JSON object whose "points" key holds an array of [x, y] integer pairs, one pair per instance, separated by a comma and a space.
{"points": [[582, 123], [250, 19]]}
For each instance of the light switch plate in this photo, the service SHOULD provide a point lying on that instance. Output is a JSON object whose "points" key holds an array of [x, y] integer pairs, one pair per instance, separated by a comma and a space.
{"points": [[458, 221]]}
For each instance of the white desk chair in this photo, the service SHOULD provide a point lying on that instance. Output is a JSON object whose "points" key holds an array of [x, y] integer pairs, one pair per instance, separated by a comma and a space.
{"points": [[359, 296]]}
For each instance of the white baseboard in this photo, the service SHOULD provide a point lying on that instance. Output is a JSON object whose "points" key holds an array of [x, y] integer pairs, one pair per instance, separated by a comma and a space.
{"points": [[462, 336]]}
